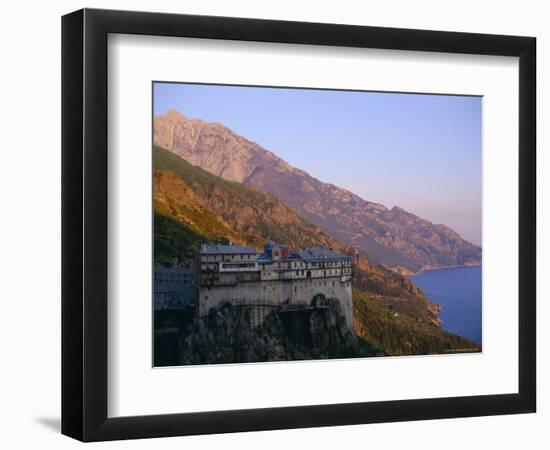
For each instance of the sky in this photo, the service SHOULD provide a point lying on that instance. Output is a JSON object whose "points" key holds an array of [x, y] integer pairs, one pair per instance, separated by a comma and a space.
{"points": [[417, 151]]}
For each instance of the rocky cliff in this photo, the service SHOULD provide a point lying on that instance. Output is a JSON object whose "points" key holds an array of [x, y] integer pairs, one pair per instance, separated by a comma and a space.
{"points": [[393, 237], [226, 336]]}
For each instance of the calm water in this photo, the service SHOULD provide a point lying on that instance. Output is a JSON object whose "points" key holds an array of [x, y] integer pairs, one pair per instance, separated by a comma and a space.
{"points": [[458, 291]]}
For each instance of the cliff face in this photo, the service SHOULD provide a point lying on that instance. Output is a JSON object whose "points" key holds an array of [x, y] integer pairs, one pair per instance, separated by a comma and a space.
{"points": [[226, 336], [395, 238]]}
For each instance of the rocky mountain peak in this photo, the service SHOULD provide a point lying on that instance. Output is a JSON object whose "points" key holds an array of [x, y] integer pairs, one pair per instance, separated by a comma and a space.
{"points": [[175, 116]]}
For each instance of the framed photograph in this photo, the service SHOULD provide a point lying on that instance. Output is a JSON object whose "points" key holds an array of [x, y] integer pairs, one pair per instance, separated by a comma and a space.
{"points": [[273, 224]]}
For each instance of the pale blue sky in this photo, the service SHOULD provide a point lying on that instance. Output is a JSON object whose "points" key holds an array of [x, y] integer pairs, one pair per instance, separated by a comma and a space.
{"points": [[420, 152]]}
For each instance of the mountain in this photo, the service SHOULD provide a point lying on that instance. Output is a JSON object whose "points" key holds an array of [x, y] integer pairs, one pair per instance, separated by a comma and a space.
{"points": [[193, 206], [393, 237]]}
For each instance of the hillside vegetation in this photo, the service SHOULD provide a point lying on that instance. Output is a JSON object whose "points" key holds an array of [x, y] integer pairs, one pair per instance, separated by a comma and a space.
{"points": [[194, 206], [401, 333]]}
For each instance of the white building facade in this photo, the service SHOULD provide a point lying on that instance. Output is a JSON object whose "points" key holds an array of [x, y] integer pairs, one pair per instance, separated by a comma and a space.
{"points": [[273, 279]]}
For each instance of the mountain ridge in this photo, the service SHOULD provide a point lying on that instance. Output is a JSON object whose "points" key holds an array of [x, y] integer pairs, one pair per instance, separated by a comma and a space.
{"points": [[394, 237]]}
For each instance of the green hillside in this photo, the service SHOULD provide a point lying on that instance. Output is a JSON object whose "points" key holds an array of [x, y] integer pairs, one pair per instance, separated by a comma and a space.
{"points": [[401, 334], [174, 241], [234, 211]]}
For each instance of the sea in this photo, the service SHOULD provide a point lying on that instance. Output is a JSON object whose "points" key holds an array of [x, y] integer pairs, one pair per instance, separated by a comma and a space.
{"points": [[458, 291]]}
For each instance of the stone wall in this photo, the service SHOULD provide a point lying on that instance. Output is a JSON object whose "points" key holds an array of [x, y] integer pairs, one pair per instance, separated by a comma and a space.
{"points": [[267, 294]]}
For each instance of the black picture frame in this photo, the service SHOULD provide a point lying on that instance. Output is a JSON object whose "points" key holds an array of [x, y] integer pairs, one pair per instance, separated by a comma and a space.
{"points": [[84, 224]]}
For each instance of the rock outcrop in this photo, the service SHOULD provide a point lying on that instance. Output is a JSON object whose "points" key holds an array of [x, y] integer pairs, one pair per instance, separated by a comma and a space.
{"points": [[226, 335]]}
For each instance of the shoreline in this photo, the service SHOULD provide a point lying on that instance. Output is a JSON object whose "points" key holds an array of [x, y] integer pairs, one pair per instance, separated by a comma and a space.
{"points": [[440, 299], [445, 268]]}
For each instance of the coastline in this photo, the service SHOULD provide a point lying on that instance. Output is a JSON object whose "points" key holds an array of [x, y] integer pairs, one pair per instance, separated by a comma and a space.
{"points": [[458, 298], [408, 273], [464, 266]]}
